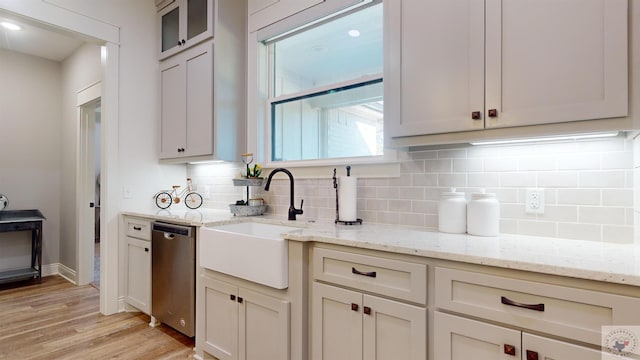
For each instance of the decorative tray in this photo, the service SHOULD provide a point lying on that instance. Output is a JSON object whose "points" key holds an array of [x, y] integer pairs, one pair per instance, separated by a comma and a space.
{"points": [[246, 210], [248, 182]]}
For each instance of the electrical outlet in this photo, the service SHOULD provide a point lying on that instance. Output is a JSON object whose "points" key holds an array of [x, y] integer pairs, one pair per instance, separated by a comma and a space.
{"points": [[534, 202]]}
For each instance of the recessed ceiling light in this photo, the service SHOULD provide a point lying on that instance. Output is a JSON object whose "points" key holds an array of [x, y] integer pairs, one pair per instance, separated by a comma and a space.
{"points": [[10, 26], [353, 33]]}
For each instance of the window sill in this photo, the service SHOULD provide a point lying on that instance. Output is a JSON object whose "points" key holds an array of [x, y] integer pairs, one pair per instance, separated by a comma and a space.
{"points": [[387, 166]]}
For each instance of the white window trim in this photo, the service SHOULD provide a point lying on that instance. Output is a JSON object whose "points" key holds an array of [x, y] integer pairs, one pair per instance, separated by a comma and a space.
{"points": [[258, 118]]}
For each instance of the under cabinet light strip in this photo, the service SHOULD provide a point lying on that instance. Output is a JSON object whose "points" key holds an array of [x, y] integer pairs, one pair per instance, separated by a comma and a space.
{"points": [[548, 138]]}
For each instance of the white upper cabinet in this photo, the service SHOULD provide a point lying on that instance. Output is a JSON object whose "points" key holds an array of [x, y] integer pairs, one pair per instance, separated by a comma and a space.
{"points": [[184, 23], [461, 65]]}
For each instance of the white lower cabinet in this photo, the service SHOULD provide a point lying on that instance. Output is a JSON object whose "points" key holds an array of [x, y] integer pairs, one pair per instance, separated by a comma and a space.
{"points": [[242, 324], [139, 274], [137, 239], [458, 338], [351, 325]]}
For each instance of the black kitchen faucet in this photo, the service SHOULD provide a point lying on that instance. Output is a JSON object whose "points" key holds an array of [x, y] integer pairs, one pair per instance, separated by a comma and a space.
{"points": [[292, 210]]}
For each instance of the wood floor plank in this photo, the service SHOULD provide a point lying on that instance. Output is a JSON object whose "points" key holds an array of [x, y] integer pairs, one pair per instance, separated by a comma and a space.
{"points": [[58, 320]]}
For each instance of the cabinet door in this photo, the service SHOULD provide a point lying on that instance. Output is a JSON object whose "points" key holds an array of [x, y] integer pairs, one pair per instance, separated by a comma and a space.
{"points": [[186, 119], [139, 274], [183, 24], [555, 61], [393, 330], [336, 323], [263, 327], [539, 348], [457, 338], [173, 126], [199, 100], [220, 337], [434, 66]]}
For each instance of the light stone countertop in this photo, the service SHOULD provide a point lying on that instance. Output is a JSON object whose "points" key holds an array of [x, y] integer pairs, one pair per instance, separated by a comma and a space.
{"points": [[608, 262]]}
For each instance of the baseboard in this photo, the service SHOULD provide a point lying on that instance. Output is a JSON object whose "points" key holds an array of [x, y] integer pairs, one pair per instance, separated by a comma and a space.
{"points": [[50, 269], [67, 273]]}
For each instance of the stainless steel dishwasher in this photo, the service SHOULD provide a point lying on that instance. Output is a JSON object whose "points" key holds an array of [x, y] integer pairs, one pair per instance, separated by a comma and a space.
{"points": [[173, 262]]}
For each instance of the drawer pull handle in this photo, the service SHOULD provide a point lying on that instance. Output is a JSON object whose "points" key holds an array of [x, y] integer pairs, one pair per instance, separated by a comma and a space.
{"points": [[509, 349], [366, 310], [354, 307], [137, 228], [532, 355], [536, 307], [369, 274]]}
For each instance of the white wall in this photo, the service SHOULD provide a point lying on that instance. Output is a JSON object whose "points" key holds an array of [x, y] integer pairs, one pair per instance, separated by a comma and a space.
{"points": [[30, 146]]}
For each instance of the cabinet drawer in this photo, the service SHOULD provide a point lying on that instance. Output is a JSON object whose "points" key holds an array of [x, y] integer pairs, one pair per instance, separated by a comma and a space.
{"points": [[399, 279], [138, 228], [567, 312]]}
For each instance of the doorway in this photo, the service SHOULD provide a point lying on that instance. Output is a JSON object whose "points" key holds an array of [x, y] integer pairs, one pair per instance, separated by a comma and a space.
{"points": [[89, 185]]}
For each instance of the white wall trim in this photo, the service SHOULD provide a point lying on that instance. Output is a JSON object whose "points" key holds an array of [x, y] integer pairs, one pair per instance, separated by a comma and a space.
{"points": [[67, 273], [64, 18]]}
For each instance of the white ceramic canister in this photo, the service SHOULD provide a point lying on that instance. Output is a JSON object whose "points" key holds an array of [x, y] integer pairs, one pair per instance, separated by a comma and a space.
{"points": [[452, 212], [483, 214]]}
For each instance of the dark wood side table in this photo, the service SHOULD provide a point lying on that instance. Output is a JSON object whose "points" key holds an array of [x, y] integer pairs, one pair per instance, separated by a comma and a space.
{"points": [[24, 220]]}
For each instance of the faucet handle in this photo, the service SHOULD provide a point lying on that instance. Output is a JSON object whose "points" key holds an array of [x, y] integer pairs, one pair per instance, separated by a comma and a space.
{"points": [[301, 202]]}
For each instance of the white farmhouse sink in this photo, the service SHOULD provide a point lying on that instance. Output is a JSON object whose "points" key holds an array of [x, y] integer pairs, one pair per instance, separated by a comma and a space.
{"points": [[251, 251]]}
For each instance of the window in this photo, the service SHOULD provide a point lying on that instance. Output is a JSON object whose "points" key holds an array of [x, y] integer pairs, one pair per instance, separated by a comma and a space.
{"points": [[325, 89]]}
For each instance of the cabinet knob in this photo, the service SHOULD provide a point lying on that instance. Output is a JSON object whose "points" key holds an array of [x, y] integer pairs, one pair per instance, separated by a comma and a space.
{"points": [[492, 113], [532, 355], [509, 349], [183, 42], [232, 297], [366, 310], [146, 249], [179, 43], [240, 300], [476, 115], [354, 307]]}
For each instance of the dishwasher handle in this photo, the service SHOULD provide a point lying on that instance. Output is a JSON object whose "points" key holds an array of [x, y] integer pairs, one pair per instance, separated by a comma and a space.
{"points": [[169, 231]]}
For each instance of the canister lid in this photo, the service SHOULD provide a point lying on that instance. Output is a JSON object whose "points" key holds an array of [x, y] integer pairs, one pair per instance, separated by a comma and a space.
{"points": [[452, 193]]}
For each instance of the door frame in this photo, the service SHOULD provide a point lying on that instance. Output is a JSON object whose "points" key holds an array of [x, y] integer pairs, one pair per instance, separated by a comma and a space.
{"points": [[107, 35], [85, 181]]}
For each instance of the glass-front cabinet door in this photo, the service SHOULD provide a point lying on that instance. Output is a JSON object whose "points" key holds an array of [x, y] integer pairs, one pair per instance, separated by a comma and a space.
{"points": [[184, 23]]}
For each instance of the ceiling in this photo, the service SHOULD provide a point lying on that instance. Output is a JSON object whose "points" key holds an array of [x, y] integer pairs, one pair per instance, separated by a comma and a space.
{"points": [[37, 39]]}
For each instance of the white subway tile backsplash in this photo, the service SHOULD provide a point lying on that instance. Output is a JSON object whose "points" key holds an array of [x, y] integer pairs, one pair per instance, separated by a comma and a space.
{"points": [[438, 166], [617, 197], [537, 228], [467, 165], [411, 193], [590, 188], [500, 164], [602, 179], [617, 160], [580, 231], [518, 179], [484, 180], [557, 179], [426, 180], [602, 215], [449, 180], [579, 196], [452, 154], [578, 161], [617, 234], [536, 163]]}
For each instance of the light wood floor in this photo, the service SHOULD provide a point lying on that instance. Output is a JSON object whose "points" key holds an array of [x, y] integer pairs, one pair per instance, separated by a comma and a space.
{"points": [[58, 320]]}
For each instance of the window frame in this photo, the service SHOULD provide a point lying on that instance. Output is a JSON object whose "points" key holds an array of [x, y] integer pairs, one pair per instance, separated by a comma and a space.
{"points": [[267, 62]]}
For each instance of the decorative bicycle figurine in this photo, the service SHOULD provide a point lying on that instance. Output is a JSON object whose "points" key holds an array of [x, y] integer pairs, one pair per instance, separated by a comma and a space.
{"points": [[165, 198]]}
